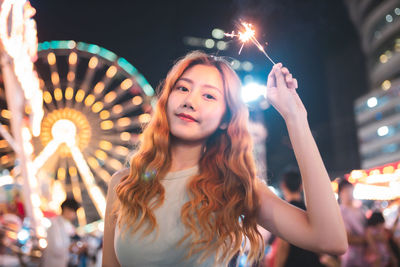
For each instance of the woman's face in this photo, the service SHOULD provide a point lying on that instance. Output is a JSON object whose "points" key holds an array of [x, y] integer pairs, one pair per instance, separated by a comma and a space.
{"points": [[196, 104]]}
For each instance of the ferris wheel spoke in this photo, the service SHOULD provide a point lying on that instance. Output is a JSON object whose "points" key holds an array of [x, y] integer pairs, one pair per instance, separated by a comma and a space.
{"points": [[108, 163], [46, 153], [98, 170], [111, 97], [94, 191], [72, 63], [100, 86], [76, 191], [47, 97]]}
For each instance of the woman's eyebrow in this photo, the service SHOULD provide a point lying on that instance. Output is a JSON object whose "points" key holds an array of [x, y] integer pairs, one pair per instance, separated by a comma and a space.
{"points": [[186, 80], [203, 85]]}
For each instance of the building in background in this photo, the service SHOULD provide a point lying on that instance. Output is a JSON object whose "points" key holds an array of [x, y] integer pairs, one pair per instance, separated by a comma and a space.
{"points": [[377, 113]]}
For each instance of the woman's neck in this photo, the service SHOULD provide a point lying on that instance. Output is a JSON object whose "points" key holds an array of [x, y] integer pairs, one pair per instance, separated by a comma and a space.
{"points": [[185, 155]]}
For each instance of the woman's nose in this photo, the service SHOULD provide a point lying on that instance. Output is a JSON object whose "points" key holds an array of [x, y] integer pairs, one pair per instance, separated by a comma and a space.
{"points": [[190, 101]]}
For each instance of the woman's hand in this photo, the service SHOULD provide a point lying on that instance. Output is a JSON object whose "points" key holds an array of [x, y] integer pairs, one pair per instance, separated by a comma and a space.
{"points": [[281, 93]]}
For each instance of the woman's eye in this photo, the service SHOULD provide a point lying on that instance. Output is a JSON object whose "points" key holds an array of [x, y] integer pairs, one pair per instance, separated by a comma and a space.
{"points": [[208, 96], [182, 88]]}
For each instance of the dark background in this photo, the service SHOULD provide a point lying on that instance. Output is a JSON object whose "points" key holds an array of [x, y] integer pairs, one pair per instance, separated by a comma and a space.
{"points": [[315, 39]]}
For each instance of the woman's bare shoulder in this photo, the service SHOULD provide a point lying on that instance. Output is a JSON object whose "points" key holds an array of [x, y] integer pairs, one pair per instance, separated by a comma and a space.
{"points": [[117, 176]]}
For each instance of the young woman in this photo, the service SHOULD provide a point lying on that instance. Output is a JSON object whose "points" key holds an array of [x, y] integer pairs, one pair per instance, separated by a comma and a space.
{"points": [[191, 195]]}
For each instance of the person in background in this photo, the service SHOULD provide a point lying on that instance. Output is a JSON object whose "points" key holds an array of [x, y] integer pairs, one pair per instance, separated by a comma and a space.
{"points": [[59, 236], [287, 254], [354, 220], [379, 252]]}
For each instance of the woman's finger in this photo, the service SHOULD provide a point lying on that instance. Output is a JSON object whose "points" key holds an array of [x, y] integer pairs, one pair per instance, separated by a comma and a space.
{"points": [[280, 79], [271, 82], [289, 78]]}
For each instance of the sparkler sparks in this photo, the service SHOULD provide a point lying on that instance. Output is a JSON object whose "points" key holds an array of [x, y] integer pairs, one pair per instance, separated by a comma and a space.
{"points": [[248, 35]]}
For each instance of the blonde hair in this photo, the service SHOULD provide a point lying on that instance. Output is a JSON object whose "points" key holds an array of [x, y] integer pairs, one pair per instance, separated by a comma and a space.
{"points": [[222, 209]]}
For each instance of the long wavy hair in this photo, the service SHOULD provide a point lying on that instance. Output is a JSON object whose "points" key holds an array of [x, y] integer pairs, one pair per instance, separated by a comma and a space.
{"points": [[221, 213]]}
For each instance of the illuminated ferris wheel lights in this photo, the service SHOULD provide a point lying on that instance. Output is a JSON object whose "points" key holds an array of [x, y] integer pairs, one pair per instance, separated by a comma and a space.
{"points": [[98, 88], [100, 154], [3, 144], [47, 97], [148, 90], [93, 162], [121, 150], [117, 109], [51, 58], [105, 114], [94, 95], [4, 160], [105, 145], [55, 79], [70, 76], [6, 114], [73, 58], [106, 125], [112, 70], [72, 171], [58, 94], [80, 213], [126, 84], [93, 62], [97, 107], [137, 100], [64, 131], [80, 95], [28, 110], [144, 118], [110, 97], [69, 93], [104, 175], [115, 164], [89, 100], [61, 173], [124, 122], [125, 136]]}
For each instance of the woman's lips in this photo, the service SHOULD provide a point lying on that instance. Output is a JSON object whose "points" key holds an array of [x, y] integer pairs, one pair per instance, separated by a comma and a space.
{"points": [[186, 117]]}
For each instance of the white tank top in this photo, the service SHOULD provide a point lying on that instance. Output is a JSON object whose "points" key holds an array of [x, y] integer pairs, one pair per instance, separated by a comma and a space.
{"points": [[135, 250]]}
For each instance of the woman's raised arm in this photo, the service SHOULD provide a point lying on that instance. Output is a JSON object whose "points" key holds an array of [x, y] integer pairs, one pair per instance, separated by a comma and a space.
{"points": [[321, 227]]}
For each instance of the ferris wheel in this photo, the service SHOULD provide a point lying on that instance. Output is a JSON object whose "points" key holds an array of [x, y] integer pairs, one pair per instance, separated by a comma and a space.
{"points": [[95, 105]]}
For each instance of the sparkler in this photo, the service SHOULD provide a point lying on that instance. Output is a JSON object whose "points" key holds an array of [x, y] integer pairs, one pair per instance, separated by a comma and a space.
{"points": [[248, 35]]}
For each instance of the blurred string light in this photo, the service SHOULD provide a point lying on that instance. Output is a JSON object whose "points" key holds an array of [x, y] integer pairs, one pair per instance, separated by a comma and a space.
{"points": [[386, 85], [382, 131], [363, 191], [372, 102], [19, 41], [5, 180], [379, 183], [215, 42], [23, 236]]}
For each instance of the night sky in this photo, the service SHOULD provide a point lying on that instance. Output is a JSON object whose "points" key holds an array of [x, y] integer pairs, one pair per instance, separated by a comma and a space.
{"points": [[303, 34]]}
